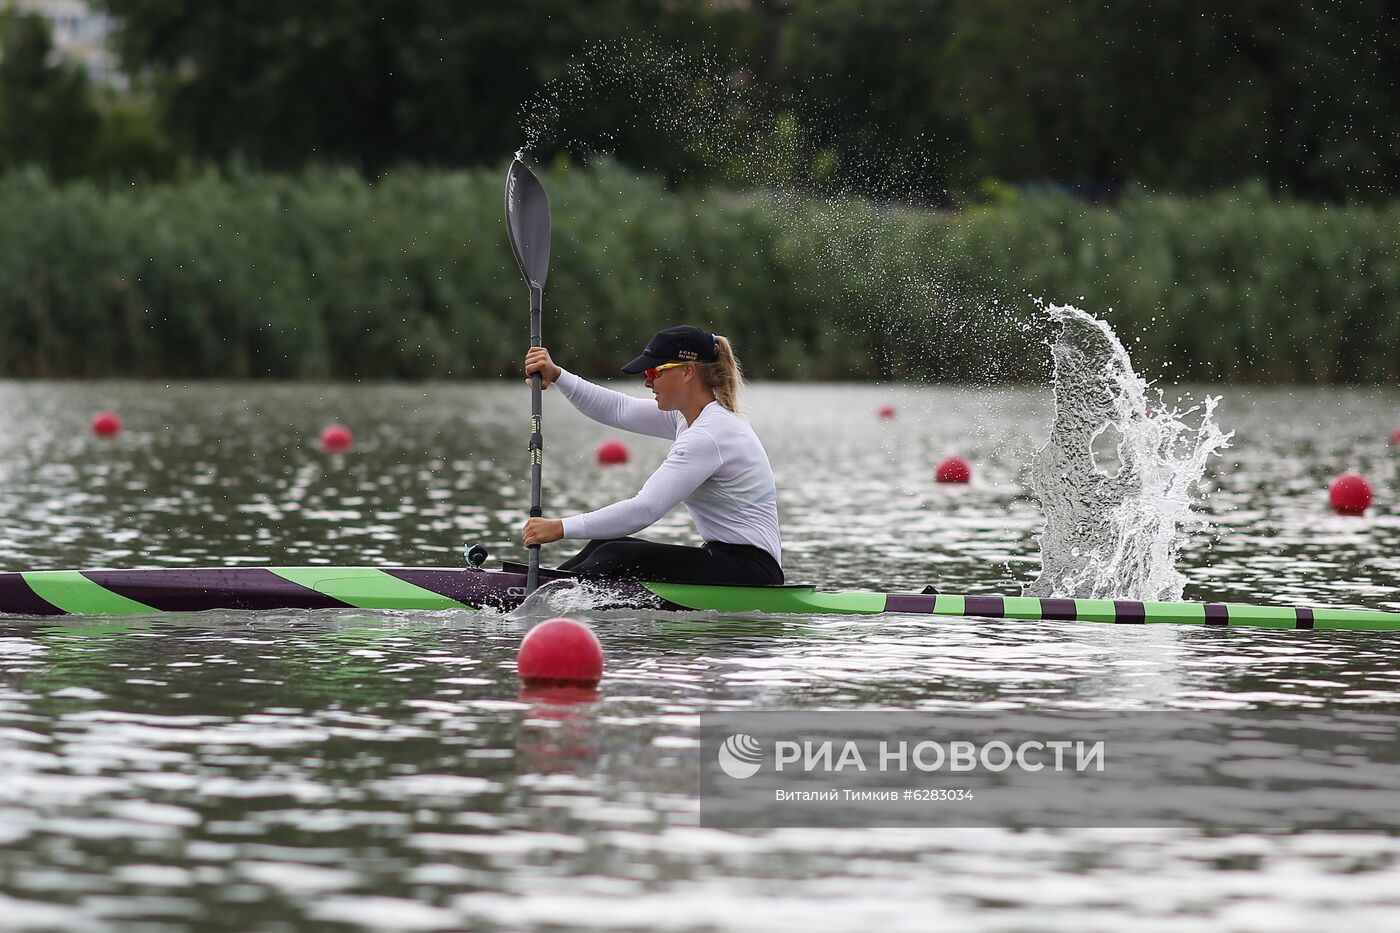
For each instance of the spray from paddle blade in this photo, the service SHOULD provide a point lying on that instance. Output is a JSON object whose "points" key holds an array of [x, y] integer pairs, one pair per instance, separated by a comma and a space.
{"points": [[1115, 478], [575, 597]]}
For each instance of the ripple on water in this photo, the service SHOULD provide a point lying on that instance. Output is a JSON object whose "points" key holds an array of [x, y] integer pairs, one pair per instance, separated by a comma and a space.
{"points": [[385, 771]]}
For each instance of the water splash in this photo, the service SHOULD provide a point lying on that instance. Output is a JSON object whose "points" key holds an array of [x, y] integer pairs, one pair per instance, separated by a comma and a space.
{"points": [[689, 100], [1113, 529], [573, 597], [859, 224]]}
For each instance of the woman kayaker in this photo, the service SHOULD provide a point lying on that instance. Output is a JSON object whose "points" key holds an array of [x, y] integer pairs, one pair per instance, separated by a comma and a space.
{"points": [[716, 467]]}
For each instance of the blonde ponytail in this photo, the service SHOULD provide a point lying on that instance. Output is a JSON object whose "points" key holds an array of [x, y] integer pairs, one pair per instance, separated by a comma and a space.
{"points": [[724, 377]]}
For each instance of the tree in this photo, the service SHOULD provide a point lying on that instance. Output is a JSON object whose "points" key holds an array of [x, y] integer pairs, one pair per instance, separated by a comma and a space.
{"points": [[1188, 95], [372, 82], [867, 80], [47, 117], [891, 98]]}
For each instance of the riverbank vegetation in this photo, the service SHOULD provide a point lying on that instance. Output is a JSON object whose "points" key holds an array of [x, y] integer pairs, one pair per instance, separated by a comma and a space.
{"points": [[915, 99], [325, 274], [313, 191]]}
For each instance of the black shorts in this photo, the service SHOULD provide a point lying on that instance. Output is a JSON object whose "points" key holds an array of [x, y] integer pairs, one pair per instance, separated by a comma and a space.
{"points": [[715, 563]]}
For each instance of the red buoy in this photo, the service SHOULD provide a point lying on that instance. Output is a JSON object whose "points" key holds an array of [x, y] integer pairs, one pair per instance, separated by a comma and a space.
{"points": [[953, 470], [560, 652], [1350, 494], [557, 696], [336, 439], [106, 424], [612, 452], [886, 412], [1395, 436]]}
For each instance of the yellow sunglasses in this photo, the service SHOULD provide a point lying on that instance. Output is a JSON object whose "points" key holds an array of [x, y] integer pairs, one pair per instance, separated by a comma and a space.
{"points": [[654, 371]]}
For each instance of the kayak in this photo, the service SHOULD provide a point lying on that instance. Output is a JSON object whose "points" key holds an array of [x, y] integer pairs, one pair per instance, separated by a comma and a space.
{"points": [[143, 592]]}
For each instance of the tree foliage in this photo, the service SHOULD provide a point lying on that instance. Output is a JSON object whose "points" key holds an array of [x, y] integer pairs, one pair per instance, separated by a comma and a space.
{"points": [[869, 81], [895, 98], [52, 119], [46, 113], [908, 100], [370, 83], [1184, 95]]}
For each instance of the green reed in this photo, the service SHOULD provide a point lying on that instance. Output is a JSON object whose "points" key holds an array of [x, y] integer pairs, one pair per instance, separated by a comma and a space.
{"points": [[326, 275]]}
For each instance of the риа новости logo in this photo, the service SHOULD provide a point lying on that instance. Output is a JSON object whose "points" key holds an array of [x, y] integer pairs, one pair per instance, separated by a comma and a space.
{"points": [[740, 756]]}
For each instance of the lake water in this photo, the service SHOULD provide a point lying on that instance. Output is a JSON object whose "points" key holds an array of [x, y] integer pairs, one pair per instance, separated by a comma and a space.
{"points": [[355, 770]]}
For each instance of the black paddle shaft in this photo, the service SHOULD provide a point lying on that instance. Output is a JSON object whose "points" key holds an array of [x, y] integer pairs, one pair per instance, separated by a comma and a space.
{"points": [[527, 224], [536, 436]]}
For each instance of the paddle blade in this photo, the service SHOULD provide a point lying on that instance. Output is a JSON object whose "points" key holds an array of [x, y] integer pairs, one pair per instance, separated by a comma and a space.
{"points": [[527, 222]]}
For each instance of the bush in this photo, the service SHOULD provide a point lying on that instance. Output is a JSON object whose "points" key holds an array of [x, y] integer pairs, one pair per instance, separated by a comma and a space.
{"points": [[326, 275]]}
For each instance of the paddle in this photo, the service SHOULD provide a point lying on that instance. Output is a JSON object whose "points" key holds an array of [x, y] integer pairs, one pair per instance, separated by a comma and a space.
{"points": [[527, 223]]}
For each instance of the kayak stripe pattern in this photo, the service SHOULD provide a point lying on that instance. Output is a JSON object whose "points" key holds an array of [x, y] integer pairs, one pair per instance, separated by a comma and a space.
{"points": [[72, 592], [367, 588], [200, 589], [463, 587], [18, 597], [991, 607], [1128, 612], [910, 602], [1133, 612], [142, 592]]}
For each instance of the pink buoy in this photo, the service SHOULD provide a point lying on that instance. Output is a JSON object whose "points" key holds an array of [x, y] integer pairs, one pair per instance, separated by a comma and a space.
{"points": [[610, 452], [1395, 436], [1350, 494], [886, 412], [560, 652], [106, 424], [336, 439], [953, 470]]}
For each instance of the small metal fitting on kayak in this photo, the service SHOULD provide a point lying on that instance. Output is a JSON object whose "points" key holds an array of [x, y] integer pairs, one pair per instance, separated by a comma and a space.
{"points": [[476, 556], [929, 590]]}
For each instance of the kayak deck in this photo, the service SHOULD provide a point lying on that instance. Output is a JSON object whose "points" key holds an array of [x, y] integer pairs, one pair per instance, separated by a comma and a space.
{"points": [[141, 592]]}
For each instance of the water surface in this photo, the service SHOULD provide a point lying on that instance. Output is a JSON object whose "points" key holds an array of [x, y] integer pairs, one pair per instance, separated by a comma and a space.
{"points": [[353, 770]]}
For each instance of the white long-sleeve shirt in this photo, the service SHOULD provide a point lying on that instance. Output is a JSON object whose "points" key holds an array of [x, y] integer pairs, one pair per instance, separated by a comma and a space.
{"points": [[716, 467]]}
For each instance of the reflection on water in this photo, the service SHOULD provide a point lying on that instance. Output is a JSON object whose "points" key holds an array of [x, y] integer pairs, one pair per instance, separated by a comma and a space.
{"points": [[348, 770]]}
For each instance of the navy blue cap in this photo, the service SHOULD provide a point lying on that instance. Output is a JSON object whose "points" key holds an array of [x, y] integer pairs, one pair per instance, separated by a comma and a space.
{"points": [[683, 344]]}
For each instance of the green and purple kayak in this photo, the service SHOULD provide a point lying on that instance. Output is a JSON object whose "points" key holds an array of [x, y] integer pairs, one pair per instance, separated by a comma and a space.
{"points": [[143, 592]]}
